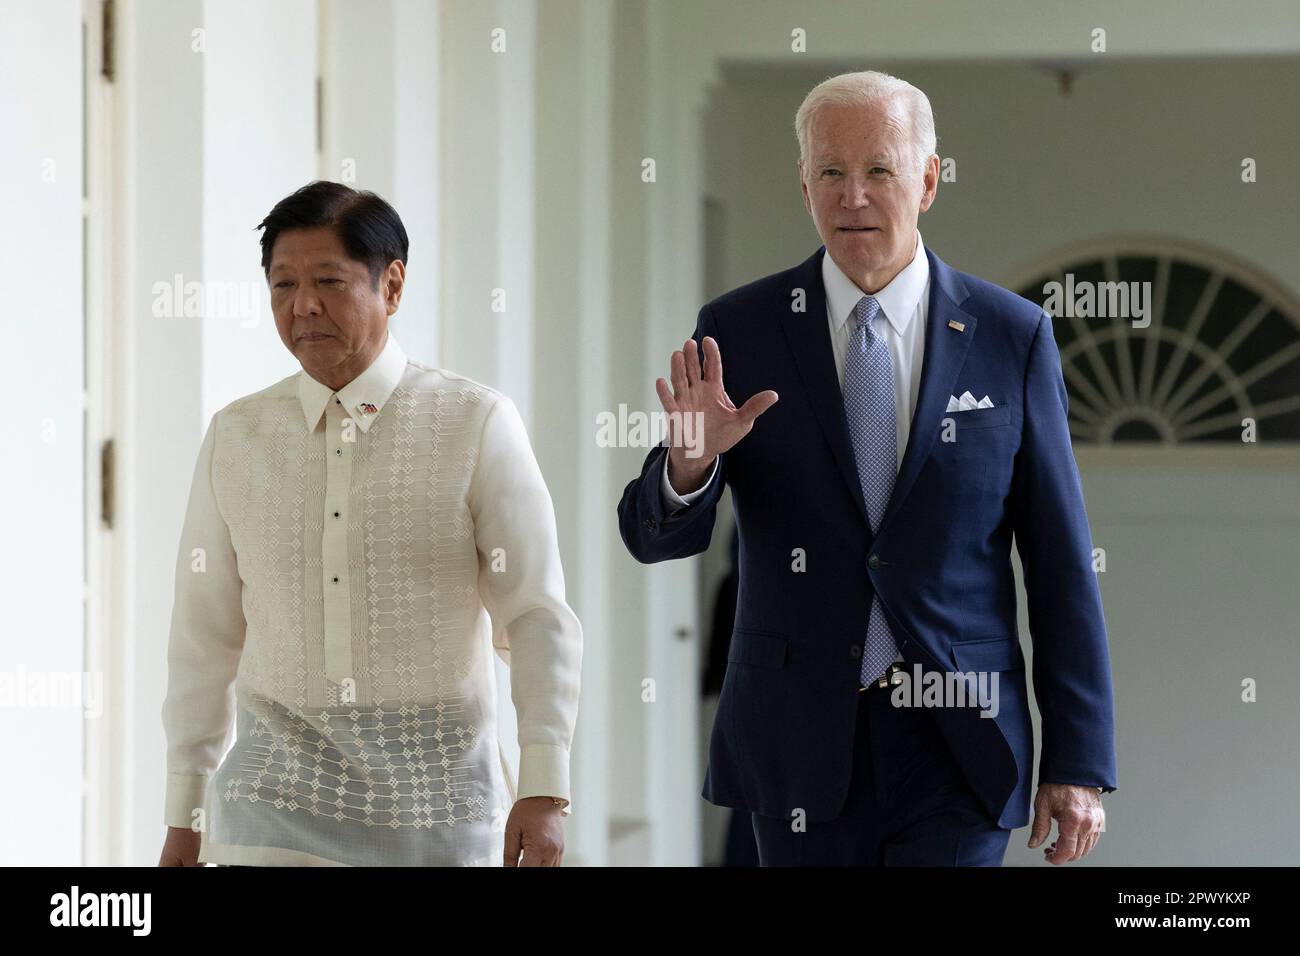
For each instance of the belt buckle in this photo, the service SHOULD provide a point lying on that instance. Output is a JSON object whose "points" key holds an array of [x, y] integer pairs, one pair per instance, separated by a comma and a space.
{"points": [[891, 677], [894, 675]]}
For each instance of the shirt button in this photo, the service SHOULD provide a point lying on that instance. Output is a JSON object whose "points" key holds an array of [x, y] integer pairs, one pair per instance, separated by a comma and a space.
{"points": [[873, 561]]}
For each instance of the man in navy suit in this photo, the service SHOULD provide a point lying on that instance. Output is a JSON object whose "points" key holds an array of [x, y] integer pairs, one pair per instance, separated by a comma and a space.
{"points": [[895, 424]]}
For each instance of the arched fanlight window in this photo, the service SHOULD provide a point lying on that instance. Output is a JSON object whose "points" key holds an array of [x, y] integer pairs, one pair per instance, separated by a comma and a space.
{"points": [[1222, 343]]}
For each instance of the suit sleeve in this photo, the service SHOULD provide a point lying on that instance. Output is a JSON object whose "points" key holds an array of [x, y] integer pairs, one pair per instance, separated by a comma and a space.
{"points": [[1071, 660], [521, 582], [653, 532], [204, 646]]}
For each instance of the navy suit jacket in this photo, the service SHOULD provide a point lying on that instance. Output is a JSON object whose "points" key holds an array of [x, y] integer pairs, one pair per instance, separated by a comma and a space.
{"points": [[940, 562]]}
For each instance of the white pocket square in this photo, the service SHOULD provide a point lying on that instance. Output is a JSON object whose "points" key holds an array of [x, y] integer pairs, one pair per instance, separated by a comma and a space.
{"points": [[967, 402]]}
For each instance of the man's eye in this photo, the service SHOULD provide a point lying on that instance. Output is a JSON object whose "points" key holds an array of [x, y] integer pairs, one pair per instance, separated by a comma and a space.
{"points": [[830, 172], [879, 169], [281, 285], [332, 280]]}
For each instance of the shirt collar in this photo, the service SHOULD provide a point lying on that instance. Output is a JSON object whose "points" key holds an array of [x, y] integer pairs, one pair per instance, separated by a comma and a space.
{"points": [[898, 300], [364, 396]]}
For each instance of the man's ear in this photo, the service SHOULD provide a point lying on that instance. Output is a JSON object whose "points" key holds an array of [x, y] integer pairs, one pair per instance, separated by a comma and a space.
{"points": [[394, 282], [931, 177], [803, 187]]}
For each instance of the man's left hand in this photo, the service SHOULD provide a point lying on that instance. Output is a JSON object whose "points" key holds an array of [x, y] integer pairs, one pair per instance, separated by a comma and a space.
{"points": [[535, 829], [1079, 817]]}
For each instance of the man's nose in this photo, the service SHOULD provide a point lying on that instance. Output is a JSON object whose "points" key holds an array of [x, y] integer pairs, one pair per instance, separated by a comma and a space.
{"points": [[855, 193], [305, 303]]}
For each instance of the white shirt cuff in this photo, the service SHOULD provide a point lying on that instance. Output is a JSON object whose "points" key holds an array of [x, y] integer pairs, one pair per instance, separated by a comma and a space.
{"points": [[544, 772], [184, 796], [675, 502]]}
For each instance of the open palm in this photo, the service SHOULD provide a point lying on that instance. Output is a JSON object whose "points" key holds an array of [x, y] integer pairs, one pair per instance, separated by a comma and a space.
{"points": [[700, 395]]}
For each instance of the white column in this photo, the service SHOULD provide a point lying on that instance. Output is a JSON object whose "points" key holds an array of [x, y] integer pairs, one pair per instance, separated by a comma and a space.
{"points": [[216, 126], [571, 375], [673, 300], [258, 143], [160, 94], [42, 437], [488, 182], [487, 117], [381, 126], [417, 168], [631, 772]]}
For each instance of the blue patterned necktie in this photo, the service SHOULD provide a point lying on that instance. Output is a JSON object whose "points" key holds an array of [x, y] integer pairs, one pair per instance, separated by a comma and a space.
{"points": [[869, 408]]}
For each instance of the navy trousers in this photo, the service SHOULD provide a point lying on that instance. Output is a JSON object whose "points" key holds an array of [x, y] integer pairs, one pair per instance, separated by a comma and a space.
{"points": [[908, 803]]}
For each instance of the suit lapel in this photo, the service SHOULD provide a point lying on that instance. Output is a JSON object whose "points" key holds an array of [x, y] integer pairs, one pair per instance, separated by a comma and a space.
{"points": [[808, 336]]}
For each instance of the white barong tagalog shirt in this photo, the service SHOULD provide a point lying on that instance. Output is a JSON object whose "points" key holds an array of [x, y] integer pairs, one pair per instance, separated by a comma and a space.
{"points": [[349, 562]]}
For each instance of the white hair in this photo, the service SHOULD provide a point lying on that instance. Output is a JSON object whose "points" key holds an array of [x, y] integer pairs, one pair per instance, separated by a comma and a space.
{"points": [[867, 87]]}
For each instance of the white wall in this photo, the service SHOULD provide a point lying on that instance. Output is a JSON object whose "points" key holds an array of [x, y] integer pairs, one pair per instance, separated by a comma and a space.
{"points": [[570, 373], [1198, 590], [42, 438], [486, 121], [258, 146], [381, 73]]}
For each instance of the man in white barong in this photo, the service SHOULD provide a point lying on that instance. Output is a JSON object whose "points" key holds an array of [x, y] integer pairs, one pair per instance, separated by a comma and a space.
{"points": [[360, 537]]}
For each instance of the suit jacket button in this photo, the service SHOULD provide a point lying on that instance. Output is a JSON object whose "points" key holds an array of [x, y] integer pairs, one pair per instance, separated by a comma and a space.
{"points": [[649, 523], [873, 561], [855, 652]]}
